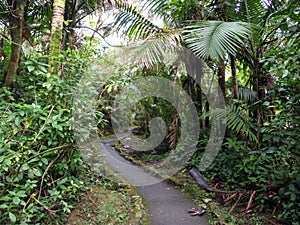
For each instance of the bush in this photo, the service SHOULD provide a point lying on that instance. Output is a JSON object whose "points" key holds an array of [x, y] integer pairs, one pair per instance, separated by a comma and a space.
{"points": [[40, 166]]}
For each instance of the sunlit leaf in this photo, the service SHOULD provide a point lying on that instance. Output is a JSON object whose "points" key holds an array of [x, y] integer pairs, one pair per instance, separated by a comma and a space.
{"points": [[215, 39]]}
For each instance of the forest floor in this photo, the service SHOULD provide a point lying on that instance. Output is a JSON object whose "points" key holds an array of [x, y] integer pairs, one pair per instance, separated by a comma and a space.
{"points": [[166, 204], [144, 198]]}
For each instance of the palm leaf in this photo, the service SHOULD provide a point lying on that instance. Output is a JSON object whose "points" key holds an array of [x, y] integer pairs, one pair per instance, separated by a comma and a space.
{"points": [[236, 119], [156, 49], [251, 11], [215, 39], [132, 23], [159, 8]]}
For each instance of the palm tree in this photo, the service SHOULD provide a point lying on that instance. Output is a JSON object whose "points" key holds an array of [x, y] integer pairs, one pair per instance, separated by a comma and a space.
{"points": [[207, 39], [210, 40], [265, 20], [214, 40], [56, 35]]}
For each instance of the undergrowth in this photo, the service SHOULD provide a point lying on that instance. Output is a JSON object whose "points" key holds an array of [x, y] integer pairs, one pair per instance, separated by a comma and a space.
{"points": [[42, 172]]}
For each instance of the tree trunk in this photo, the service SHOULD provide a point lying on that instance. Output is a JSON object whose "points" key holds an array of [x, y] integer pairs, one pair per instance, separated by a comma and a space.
{"points": [[206, 123], [221, 77], [56, 35], [16, 27], [71, 9], [234, 79], [221, 94]]}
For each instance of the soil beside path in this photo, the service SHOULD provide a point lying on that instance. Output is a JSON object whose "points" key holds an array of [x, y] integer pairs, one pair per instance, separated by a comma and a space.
{"points": [[167, 205]]}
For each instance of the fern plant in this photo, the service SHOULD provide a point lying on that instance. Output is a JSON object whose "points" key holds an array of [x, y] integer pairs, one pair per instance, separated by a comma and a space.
{"points": [[237, 120]]}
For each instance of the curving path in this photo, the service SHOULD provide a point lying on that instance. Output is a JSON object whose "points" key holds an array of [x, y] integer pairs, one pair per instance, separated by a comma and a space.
{"points": [[167, 205]]}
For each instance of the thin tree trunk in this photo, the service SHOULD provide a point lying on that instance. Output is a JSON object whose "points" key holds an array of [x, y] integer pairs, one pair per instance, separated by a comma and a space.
{"points": [[56, 35], [221, 93], [221, 77], [234, 79], [16, 25], [206, 123]]}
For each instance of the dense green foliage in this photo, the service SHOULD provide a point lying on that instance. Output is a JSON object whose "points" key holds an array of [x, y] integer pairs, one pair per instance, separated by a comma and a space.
{"points": [[251, 48], [40, 166]]}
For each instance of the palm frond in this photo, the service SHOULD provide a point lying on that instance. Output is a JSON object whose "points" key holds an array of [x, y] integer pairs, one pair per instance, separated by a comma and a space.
{"points": [[154, 50], [132, 23], [260, 14], [160, 8], [251, 11], [215, 39], [236, 119]]}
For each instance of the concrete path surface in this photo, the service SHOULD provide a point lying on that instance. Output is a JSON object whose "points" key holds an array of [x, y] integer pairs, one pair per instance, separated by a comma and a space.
{"points": [[167, 205]]}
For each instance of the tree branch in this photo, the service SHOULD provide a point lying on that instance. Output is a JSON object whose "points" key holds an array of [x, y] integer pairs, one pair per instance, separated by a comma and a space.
{"points": [[97, 32]]}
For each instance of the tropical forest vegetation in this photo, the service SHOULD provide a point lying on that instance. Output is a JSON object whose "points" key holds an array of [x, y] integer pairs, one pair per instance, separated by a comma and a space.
{"points": [[249, 48]]}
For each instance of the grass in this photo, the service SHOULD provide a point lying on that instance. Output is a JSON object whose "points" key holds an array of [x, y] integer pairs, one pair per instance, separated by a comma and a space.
{"points": [[109, 204]]}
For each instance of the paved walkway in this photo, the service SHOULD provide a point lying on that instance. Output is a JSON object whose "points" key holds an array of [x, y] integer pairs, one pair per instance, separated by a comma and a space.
{"points": [[167, 205]]}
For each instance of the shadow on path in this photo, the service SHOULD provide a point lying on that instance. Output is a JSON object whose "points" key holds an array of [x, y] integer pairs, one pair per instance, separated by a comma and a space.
{"points": [[167, 205]]}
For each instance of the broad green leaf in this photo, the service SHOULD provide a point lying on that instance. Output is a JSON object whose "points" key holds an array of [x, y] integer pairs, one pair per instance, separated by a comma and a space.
{"points": [[16, 200], [12, 217], [5, 198], [45, 160], [37, 172], [3, 206], [30, 68], [21, 194], [24, 167], [17, 121]]}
